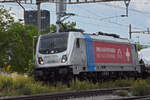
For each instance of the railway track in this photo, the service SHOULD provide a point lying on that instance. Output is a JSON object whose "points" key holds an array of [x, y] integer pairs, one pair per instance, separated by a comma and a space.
{"points": [[76, 94], [66, 95]]}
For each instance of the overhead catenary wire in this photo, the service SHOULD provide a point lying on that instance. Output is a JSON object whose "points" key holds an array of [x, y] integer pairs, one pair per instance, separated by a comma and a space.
{"points": [[89, 23], [99, 18], [120, 7], [118, 24], [86, 22], [102, 19]]}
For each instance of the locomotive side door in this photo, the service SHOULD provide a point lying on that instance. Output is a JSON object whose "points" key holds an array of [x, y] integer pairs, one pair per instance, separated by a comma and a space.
{"points": [[80, 52], [79, 58]]}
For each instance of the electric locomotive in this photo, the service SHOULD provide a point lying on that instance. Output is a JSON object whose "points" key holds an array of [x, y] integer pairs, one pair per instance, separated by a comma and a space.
{"points": [[66, 55]]}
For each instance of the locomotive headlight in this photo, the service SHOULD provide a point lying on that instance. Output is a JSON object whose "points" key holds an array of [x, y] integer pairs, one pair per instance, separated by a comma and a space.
{"points": [[64, 59], [40, 60]]}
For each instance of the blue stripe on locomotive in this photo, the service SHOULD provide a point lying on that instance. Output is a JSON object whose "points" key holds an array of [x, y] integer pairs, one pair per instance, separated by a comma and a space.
{"points": [[90, 52]]}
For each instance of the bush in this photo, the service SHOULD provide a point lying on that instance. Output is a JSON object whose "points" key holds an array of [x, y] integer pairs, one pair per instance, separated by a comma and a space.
{"points": [[140, 88]]}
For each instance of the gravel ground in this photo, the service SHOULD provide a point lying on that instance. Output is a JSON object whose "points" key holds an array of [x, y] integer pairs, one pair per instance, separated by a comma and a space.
{"points": [[104, 97]]}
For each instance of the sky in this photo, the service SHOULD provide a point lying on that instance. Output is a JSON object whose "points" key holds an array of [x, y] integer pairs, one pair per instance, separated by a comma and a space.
{"points": [[104, 17]]}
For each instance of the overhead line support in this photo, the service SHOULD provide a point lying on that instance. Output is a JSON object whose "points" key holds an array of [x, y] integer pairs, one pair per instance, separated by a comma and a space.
{"points": [[39, 17], [131, 32]]}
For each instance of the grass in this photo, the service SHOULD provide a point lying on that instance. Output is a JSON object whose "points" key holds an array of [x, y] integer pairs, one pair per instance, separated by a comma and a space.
{"points": [[117, 83], [15, 85], [83, 85]]}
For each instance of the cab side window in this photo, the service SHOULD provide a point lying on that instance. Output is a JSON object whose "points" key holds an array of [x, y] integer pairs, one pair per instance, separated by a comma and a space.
{"points": [[78, 43]]}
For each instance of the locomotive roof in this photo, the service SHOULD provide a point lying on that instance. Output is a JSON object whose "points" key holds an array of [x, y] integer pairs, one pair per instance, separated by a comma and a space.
{"points": [[109, 38], [52, 35], [93, 36]]}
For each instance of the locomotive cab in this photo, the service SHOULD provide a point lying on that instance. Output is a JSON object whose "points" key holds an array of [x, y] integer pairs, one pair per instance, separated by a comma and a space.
{"points": [[52, 50], [54, 54]]}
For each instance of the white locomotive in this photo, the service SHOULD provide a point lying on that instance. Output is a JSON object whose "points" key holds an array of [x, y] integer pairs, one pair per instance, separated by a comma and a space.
{"points": [[62, 56]]}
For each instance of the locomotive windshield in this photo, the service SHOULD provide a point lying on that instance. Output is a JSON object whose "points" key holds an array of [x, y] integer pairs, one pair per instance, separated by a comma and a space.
{"points": [[53, 43]]}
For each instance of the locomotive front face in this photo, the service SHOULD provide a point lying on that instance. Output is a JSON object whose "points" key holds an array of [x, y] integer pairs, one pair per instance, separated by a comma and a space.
{"points": [[52, 50]]}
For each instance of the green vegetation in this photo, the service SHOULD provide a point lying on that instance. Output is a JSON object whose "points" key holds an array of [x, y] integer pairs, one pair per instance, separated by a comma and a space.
{"points": [[140, 88], [117, 83], [15, 85], [140, 47], [15, 43], [83, 85]]}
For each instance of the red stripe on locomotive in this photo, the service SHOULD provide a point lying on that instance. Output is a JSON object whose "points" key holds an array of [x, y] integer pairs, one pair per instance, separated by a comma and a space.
{"points": [[112, 53]]}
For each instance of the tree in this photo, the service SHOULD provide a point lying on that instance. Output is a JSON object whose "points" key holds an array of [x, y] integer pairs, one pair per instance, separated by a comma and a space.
{"points": [[139, 47], [15, 42], [50, 29], [6, 20], [20, 38]]}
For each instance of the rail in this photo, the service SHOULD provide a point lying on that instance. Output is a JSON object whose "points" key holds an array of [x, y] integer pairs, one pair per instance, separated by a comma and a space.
{"points": [[76, 94], [65, 95], [133, 98]]}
